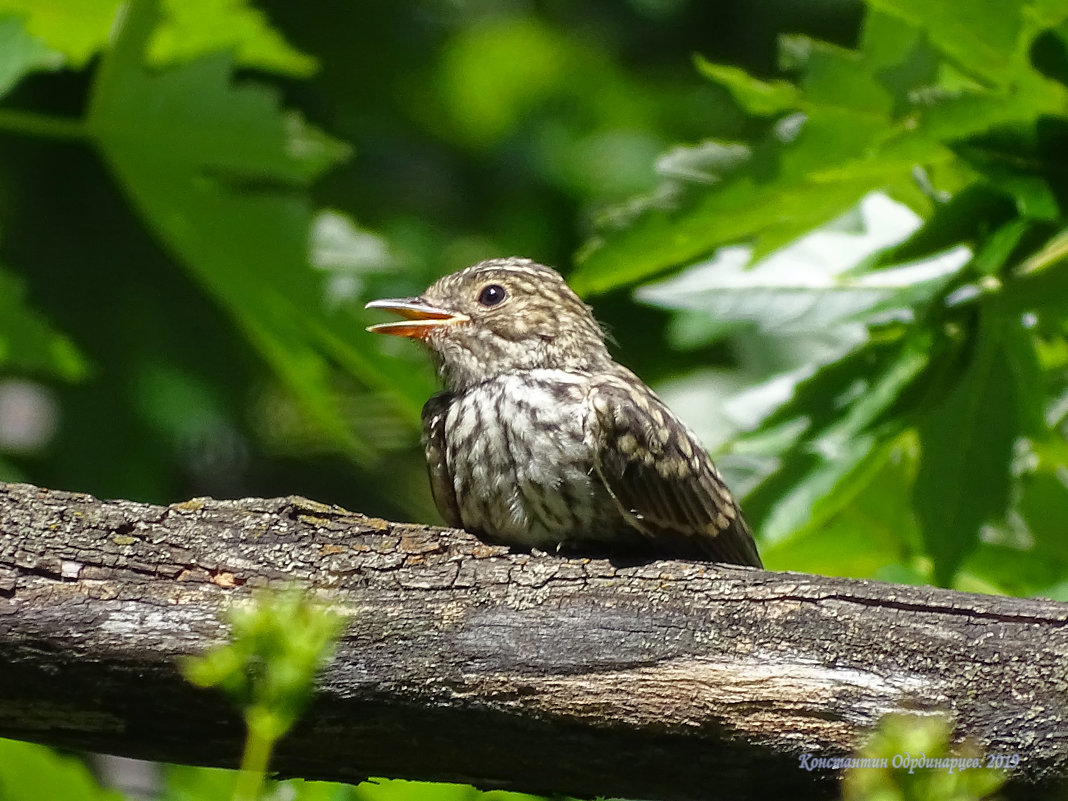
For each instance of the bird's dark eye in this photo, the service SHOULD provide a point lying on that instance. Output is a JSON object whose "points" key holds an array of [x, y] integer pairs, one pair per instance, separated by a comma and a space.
{"points": [[492, 295]]}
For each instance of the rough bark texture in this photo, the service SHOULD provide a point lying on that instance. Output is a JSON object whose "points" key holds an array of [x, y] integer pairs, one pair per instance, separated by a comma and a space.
{"points": [[466, 662]]}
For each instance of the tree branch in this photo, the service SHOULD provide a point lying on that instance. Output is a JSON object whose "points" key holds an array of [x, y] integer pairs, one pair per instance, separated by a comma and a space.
{"points": [[466, 662]]}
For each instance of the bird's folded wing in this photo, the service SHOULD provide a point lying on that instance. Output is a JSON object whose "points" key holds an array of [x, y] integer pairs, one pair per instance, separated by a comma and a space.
{"points": [[441, 485], [661, 476]]}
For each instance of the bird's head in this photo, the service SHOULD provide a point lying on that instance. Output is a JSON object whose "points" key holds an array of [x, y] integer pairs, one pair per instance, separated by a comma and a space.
{"points": [[499, 316]]}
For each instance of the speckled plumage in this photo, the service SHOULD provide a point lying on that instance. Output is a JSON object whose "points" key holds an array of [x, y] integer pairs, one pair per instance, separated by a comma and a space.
{"points": [[540, 439]]}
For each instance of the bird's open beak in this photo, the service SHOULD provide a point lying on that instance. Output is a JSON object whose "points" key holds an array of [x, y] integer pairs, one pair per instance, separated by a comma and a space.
{"points": [[420, 318]]}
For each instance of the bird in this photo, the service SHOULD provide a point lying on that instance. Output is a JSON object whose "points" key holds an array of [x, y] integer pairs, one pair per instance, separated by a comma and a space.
{"points": [[540, 440]]}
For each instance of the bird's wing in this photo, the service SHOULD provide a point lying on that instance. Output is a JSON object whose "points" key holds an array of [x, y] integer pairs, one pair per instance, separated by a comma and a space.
{"points": [[660, 475], [441, 486]]}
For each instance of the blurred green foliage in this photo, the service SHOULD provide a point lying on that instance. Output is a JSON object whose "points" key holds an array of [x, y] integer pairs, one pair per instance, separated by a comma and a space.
{"points": [[199, 784], [31, 772], [278, 643], [832, 235], [920, 763]]}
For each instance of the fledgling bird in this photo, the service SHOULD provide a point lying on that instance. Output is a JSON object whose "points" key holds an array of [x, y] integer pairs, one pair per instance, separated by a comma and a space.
{"points": [[541, 440]]}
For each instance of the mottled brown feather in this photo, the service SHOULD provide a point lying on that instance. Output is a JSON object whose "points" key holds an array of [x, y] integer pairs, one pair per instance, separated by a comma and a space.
{"points": [[675, 497], [441, 486]]}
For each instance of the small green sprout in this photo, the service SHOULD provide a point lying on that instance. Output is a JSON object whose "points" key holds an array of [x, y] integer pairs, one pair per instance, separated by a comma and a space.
{"points": [[912, 758], [279, 642]]}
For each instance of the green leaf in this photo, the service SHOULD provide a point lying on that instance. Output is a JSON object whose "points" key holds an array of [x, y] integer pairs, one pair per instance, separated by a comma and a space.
{"points": [[194, 28], [1048, 53], [1043, 504], [1020, 347], [967, 443], [184, 783], [21, 54], [963, 219], [75, 28], [954, 115], [30, 772], [1041, 282], [1026, 162], [28, 343], [759, 98], [818, 401], [1018, 174], [772, 213], [899, 56], [843, 407], [188, 783], [984, 41], [217, 170], [862, 528], [1029, 554], [999, 247], [841, 79], [400, 790], [789, 293], [804, 476], [192, 117]]}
